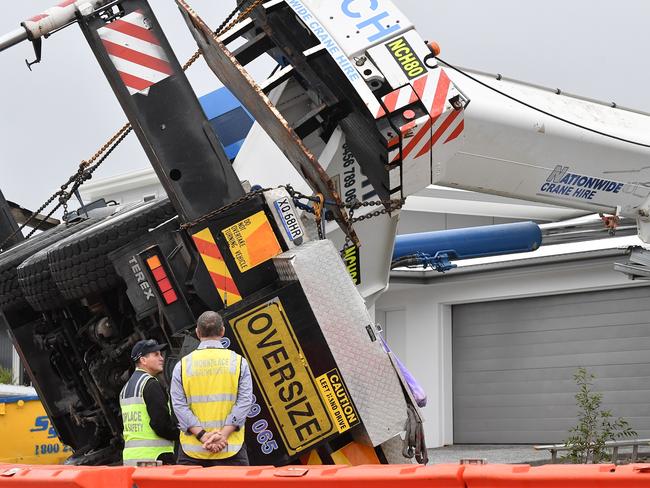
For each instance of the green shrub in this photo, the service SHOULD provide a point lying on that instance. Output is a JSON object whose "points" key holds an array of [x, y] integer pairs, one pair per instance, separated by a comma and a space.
{"points": [[6, 378], [595, 425]]}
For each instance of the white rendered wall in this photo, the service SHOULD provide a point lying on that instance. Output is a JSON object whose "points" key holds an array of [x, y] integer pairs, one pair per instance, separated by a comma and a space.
{"points": [[423, 340]]}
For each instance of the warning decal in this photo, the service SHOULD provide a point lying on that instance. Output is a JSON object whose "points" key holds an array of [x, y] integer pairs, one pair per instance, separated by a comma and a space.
{"points": [[351, 260], [252, 241], [216, 266], [284, 377], [337, 399]]}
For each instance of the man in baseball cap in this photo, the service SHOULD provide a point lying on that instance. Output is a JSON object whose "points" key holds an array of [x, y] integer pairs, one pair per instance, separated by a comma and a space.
{"points": [[149, 431], [144, 347]]}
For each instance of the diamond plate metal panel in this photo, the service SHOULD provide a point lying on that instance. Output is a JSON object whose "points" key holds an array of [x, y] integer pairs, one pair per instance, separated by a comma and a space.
{"points": [[343, 318]]}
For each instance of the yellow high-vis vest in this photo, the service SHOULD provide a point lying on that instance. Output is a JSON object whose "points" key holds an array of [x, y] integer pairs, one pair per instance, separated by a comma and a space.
{"points": [[141, 443], [210, 380]]}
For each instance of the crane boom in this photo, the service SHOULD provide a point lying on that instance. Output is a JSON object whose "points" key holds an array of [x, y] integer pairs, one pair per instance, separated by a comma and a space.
{"points": [[567, 151]]}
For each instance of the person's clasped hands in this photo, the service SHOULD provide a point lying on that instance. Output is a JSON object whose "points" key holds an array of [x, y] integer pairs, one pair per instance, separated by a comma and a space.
{"points": [[214, 441]]}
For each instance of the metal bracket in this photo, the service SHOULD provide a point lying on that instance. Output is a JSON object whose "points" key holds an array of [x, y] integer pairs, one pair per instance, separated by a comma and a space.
{"points": [[38, 45]]}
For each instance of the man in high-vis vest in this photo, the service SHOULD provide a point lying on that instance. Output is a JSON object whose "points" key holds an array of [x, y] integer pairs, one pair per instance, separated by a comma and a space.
{"points": [[149, 431], [212, 393]]}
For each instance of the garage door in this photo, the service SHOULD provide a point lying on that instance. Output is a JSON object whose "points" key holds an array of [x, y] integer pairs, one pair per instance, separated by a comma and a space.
{"points": [[514, 360]]}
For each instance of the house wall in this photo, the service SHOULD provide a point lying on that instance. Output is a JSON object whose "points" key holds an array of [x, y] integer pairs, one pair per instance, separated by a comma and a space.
{"points": [[419, 324]]}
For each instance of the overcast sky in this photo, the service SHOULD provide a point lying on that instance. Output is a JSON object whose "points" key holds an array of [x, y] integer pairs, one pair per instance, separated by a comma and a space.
{"points": [[64, 110]]}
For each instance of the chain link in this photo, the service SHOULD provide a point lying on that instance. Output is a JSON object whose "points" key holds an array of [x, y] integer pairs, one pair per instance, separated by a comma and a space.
{"points": [[214, 213], [126, 128], [79, 178], [222, 30], [347, 241], [84, 172], [388, 206], [242, 16]]}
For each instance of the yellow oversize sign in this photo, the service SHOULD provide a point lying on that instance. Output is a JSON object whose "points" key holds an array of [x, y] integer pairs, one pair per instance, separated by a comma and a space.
{"points": [[283, 376], [252, 241]]}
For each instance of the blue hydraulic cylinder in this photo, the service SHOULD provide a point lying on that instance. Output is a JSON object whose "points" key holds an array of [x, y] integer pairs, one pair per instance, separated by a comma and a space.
{"points": [[472, 242]]}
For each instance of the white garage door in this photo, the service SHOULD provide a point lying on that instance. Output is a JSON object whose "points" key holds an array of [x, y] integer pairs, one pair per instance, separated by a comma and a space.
{"points": [[514, 360]]}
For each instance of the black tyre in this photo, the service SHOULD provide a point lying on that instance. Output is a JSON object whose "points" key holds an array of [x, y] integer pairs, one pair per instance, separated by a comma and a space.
{"points": [[80, 265], [11, 295], [34, 277]]}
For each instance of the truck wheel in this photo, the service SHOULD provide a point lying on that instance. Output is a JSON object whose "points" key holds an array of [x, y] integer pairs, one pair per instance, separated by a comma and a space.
{"points": [[80, 265], [34, 277], [11, 295]]}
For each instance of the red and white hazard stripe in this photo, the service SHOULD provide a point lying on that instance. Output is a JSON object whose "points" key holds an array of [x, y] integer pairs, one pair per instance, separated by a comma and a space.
{"points": [[399, 98], [136, 52], [456, 132], [56, 17], [433, 90], [375, 108], [47, 13], [439, 132]]}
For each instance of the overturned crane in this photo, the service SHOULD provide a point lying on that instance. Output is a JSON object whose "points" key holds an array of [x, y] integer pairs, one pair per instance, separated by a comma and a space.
{"points": [[364, 116]]}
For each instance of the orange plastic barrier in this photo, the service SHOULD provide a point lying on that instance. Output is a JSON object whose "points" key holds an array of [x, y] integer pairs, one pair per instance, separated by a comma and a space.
{"points": [[557, 476], [374, 476], [26, 476]]}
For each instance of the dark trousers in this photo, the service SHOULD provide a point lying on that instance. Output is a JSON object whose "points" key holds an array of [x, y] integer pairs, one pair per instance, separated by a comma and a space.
{"points": [[239, 459], [167, 458]]}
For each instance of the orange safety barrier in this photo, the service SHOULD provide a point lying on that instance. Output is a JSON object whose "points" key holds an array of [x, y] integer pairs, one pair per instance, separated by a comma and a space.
{"points": [[556, 476], [55, 476], [373, 476]]}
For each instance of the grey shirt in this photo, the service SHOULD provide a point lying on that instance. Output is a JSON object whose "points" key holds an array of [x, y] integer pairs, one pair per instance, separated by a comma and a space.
{"points": [[240, 409]]}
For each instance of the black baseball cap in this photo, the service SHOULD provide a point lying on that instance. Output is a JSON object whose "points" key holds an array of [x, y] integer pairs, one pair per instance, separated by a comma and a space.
{"points": [[144, 347]]}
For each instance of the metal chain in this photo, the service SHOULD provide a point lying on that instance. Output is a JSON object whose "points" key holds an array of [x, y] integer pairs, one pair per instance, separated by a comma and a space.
{"points": [[126, 128], [81, 175], [245, 13], [347, 240], [79, 178], [223, 26], [212, 214], [222, 30], [197, 54], [387, 206], [84, 172], [318, 215]]}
